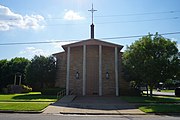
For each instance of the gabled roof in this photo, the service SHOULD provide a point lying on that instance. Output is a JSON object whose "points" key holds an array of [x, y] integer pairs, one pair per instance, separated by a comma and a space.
{"points": [[92, 42]]}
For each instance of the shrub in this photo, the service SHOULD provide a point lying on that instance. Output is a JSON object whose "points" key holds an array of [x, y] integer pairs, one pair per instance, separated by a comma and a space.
{"points": [[18, 89], [51, 91], [26, 89], [135, 92], [14, 89], [177, 92]]}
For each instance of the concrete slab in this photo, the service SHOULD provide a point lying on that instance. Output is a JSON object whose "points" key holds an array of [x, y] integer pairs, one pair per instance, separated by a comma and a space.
{"points": [[66, 99], [93, 106]]}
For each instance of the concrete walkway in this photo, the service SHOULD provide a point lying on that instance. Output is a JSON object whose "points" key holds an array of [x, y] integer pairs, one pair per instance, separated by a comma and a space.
{"points": [[91, 105]]}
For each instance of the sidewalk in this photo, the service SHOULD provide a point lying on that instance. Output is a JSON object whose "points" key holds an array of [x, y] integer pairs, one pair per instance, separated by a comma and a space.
{"points": [[91, 105]]}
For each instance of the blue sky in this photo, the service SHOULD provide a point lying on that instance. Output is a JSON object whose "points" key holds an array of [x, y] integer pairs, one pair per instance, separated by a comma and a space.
{"points": [[24, 21]]}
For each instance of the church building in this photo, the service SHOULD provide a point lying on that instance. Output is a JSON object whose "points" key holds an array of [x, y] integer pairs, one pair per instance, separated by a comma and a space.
{"points": [[91, 67]]}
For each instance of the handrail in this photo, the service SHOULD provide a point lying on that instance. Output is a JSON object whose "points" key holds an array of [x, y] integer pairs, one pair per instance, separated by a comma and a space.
{"points": [[71, 92], [61, 93]]}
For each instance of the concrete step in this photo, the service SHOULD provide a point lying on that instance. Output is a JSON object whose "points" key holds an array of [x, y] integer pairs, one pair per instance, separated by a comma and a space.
{"points": [[67, 99]]}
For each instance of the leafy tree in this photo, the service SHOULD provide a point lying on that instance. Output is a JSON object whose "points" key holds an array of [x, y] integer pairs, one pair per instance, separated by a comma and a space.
{"points": [[3, 67], [152, 60], [41, 72], [8, 69]]}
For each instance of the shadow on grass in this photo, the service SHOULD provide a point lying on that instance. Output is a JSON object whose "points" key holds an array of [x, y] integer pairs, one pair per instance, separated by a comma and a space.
{"points": [[33, 97]]}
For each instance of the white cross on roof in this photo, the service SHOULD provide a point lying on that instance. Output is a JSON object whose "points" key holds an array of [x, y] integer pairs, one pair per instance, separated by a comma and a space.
{"points": [[92, 11]]}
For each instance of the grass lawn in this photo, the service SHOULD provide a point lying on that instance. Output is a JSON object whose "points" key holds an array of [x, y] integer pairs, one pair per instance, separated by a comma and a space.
{"points": [[154, 99], [156, 104], [32, 101], [23, 106], [31, 97], [160, 108], [168, 91]]}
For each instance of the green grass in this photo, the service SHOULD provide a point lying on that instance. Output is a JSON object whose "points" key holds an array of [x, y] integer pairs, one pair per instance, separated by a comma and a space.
{"points": [[32, 101], [168, 91], [160, 108], [29, 97], [156, 104], [154, 99], [23, 106]]}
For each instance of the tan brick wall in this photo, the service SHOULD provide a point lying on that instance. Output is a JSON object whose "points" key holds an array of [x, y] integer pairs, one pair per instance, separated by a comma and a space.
{"points": [[76, 63], [61, 70], [92, 77], [123, 84], [108, 56], [92, 60]]}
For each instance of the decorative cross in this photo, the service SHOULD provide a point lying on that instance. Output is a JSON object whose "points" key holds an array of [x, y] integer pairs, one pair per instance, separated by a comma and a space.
{"points": [[92, 11]]}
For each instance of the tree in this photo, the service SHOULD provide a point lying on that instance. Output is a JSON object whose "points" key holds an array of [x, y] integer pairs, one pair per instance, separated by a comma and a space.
{"points": [[41, 71], [152, 60], [8, 69], [3, 67]]}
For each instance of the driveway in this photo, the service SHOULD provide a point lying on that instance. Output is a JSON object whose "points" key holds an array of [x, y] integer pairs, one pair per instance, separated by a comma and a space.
{"points": [[93, 105]]}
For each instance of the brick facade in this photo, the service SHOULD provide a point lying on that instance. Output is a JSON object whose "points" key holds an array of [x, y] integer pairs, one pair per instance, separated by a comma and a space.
{"points": [[108, 65], [61, 61], [92, 68]]}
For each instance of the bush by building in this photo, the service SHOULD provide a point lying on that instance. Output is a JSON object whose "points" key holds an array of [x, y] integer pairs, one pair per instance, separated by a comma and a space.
{"points": [[17, 89]]}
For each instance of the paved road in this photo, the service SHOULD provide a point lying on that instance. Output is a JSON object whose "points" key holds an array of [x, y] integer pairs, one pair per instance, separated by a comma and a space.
{"points": [[163, 93], [5, 116]]}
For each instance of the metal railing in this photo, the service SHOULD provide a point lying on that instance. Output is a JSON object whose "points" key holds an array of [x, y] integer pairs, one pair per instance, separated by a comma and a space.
{"points": [[71, 92], [61, 93]]}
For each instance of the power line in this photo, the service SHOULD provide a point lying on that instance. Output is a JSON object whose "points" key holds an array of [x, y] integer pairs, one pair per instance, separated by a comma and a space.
{"points": [[140, 20], [137, 36], [59, 41], [116, 22], [130, 14], [40, 42], [134, 14]]}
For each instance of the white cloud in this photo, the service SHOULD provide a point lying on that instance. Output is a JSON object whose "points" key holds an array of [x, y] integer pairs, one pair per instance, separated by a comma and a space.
{"points": [[178, 45], [71, 15], [173, 39], [30, 52], [10, 20]]}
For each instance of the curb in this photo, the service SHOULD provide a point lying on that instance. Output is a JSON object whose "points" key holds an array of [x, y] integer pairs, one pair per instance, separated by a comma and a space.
{"points": [[68, 113], [76, 113]]}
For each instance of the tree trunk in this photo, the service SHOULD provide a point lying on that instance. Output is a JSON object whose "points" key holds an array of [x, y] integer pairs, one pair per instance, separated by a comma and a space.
{"points": [[147, 90], [42, 85], [151, 90]]}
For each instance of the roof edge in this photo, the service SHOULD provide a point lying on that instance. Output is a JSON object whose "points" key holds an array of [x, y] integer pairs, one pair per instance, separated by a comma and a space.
{"points": [[91, 42]]}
